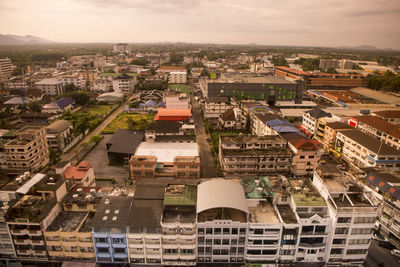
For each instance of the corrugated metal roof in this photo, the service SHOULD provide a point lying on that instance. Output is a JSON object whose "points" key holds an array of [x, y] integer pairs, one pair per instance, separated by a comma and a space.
{"points": [[27, 186]]}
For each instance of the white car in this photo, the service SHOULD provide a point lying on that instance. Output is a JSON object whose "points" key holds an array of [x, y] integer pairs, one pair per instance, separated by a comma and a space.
{"points": [[395, 252]]}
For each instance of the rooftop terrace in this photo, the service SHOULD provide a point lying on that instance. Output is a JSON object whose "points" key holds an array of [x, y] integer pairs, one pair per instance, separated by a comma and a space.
{"points": [[180, 195], [257, 188], [263, 213], [222, 214], [67, 222], [305, 194], [286, 213]]}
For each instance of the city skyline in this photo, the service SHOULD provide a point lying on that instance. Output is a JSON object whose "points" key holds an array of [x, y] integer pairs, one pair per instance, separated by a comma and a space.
{"points": [[332, 24]]}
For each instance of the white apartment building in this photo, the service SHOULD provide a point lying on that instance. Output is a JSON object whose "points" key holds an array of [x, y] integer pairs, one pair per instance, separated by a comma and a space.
{"points": [[379, 128], [216, 106], [51, 86], [363, 150], [5, 68], [258, 123], [124, 84], [177, 77], [311, 119], [122, 48], [78, 81], [353, 218]]}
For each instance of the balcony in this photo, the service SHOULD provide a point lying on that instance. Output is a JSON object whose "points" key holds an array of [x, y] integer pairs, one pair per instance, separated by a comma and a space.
{"points": [[34, 232], [170, 256], [24, 252], [187, 257], [119, 245], [22, 241], [37, 242], [88, 255], [315, 245], [39, 252], [102, 245], [19, 232], [136, 245], [121, 255]]}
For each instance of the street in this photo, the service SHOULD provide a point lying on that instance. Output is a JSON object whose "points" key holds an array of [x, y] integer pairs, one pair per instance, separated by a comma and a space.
{"points": [[208, 168], [378, 256]]}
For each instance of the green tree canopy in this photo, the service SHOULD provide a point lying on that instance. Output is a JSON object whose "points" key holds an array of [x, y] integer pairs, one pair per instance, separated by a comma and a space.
{"points": [[34, 106]]}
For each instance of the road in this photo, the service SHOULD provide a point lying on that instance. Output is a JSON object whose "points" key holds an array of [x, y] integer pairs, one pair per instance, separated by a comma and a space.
{"points": [[207, 164], [378, 255], [69, 156]]}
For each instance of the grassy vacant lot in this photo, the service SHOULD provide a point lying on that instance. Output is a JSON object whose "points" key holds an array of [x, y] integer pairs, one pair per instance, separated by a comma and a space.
{"points": [[129, 121], [180, 88], [97, 110], [215, 137]]}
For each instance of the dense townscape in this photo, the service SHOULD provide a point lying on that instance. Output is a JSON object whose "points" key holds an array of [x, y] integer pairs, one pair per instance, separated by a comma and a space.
{"points": [[200, 156]]}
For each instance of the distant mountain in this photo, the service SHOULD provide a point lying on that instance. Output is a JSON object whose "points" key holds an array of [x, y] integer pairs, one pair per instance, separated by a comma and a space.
{"points": [[360, 47], [10, 39]]}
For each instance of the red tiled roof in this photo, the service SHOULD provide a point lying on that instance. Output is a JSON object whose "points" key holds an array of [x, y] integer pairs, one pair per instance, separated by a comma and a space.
{"points": [[305, 144], [77, 172], [388, 113], [174, 112]]}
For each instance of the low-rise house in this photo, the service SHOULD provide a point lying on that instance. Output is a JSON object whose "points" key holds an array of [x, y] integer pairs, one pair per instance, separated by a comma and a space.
{"points": [[83, 174], [61, 105], [379, 128], [163, 128], [363, 150], [392, 116], [233, 119], [216, 106], [51, 86], [173, 114], [60, 135], [15, 102], [122, 145], [249, 154]]}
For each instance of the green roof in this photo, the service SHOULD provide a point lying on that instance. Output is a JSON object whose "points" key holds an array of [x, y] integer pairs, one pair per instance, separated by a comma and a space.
{"points": [[252, 191], [302, 200], [188, 198], [2, 142], [10, 133]]}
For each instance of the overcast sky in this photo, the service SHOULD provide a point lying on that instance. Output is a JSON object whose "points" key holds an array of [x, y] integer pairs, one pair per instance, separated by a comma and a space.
{"points": [[270, 22]]}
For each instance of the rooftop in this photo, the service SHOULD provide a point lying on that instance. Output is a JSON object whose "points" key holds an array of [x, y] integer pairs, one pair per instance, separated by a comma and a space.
{"points": [[370, 142], [59, 126], [165, 151], [113, 212], [287, 214], [125, 141], [257, 188], [31, 207], [248, 78], [338, 125], [380, 124], [305, 194], [77, 172], [389, 114], [263, 213], [67, 222], [257, 152], [180, 195]]}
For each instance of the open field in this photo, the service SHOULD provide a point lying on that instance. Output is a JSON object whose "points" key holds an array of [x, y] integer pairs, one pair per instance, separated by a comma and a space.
{"points": [[129, 121], [97, 110], [184, 88]]}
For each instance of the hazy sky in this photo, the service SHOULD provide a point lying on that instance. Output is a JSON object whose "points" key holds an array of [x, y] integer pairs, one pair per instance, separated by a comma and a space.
{"points": [[274, 22]]}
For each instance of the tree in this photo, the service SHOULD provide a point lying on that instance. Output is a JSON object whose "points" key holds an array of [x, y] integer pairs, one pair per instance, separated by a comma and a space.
{"points": [[81, 98], [331, 70], [95, 139], [140, 61], [34, 106], [279, 61], [176, 58], [70, 87], [54, 155], [131, 123], [109, 71]]}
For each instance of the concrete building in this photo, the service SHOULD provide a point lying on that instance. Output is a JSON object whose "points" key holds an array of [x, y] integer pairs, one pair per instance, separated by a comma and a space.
{"points": [[51, 86], [83, 174], [109, 229], [177, 77], [70, 236], [233, 119], [363, 150], [27, 152], [76, 80], [216, 106], [322, 81], [378, 128], [268, 88], [122, 48], [345, 64], [314, 122], [328, 64], [392, 116], [59, 106], [249, 154], [353, 216], [5, 68], [122, 145], [124, 84], [328, 141], [60, 135]]}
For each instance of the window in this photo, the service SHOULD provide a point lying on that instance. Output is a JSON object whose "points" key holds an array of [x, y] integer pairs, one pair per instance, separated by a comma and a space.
{"points": [[208, 230], [103, 250], [225, 231], [118, 240], [119, 250], [258, 231], [356, 251], [217, 231], [337, 251], [337, 241], [344, 220], [320, 229], [361, 231], [217, 241], [358, 241], [364, 220], [234, 231], [341, 230], [225, 241]]}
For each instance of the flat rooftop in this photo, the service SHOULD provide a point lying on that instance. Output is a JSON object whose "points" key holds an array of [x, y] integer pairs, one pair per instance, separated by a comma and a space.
{"points": [[179, 215], [305, 194], [222, 214], [286, 213], [263, 213], [67, 222], [248, 78], [256, 152], [257, 188], [166, 152], [180, 195]]}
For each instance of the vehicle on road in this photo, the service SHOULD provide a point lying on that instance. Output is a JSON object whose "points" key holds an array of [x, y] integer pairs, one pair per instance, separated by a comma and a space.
{"points": [[378, 237], [395, 252]]}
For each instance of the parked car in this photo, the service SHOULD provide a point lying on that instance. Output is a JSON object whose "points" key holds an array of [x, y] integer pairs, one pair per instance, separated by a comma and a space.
{"points": [[395, 252], [378, 237]]}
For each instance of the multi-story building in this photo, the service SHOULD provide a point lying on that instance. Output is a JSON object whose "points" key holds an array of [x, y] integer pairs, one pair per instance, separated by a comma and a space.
{"points": [[363, 150], [177, 77], [322, 81], [258, 123], [386, 187], [59, 135], [27, 152], [233, 119], [249, 154], [83, 174], [306, 155], [5, 68], [51, 86], [353, 217], [77, 81], [379, 128], [328, 142], [124, 84], [345, 64], [268, 88], [18, 83], [169, 69], [314, 122], [70, 236], [27, 220], [216, 106], [110, 227], [6, 244], [122, 48], [222, 222], [392, 116], [328, 64]]}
